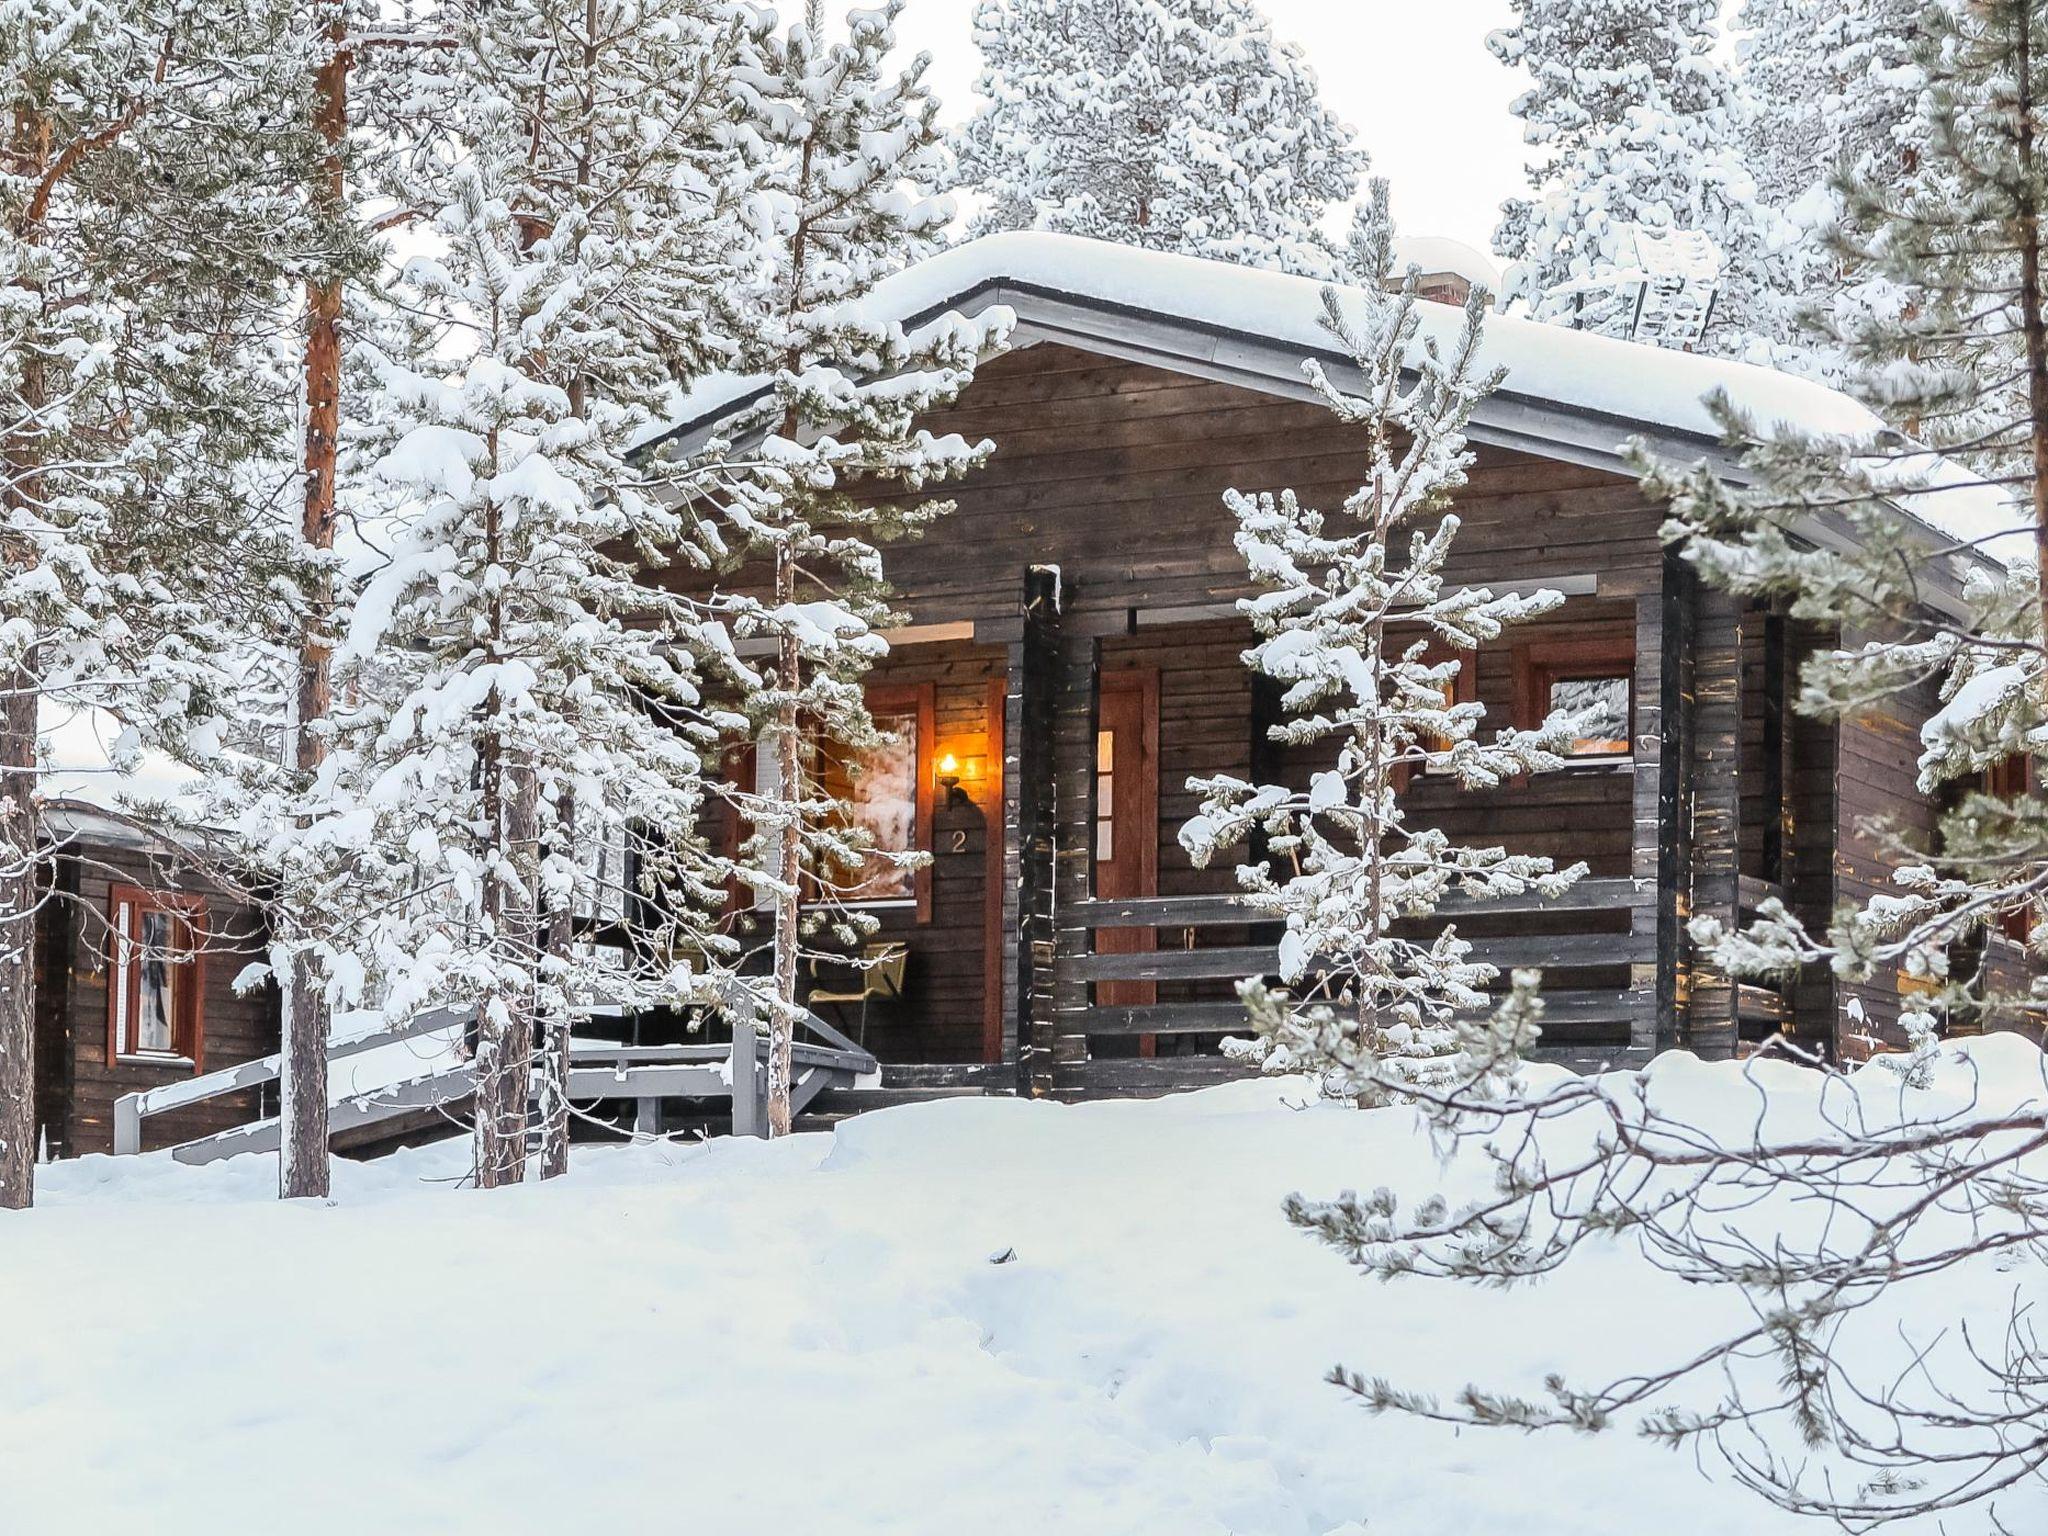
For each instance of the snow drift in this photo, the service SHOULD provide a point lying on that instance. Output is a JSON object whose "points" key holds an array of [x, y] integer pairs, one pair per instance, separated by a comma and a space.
{"points": [[975, 1315]]}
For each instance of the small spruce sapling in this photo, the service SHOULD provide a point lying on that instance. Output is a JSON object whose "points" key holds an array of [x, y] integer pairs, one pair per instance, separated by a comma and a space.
{"points": [[1361, 632]]}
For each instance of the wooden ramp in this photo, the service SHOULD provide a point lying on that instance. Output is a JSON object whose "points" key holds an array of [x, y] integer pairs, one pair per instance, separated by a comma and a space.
{"points": [[715, 1077]]}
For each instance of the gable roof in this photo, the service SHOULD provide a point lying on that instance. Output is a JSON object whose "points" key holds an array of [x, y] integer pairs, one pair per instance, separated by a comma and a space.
{"points": [[1568, 395]]}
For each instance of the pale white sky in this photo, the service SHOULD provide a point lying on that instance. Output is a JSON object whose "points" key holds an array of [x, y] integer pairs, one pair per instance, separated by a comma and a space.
{"points": [[1412, 76]]}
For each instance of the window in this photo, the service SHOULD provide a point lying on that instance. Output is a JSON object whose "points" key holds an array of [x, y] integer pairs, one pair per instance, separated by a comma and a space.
{"points": [[1593, 679], [887, 791], [156, 976], [1105, 795], [1461, 688], [2008, 781]]}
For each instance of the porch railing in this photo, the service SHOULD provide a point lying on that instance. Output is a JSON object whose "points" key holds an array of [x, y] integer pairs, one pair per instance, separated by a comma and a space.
{"points": [[1589, 1013]]}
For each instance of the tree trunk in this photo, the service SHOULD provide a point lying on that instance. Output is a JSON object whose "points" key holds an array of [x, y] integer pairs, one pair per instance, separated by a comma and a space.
{"points": [[788, 859], [505, 1051], [17, 940], [21, 461], [554, 1065], [2032, 323], [302, 1170]]}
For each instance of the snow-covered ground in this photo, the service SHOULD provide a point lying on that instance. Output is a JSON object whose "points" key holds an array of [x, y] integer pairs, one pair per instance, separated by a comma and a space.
{"points": [[812, 1336]]}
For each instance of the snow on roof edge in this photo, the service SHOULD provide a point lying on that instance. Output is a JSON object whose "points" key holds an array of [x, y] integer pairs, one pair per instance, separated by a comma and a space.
{"points": [[1652, 389]]}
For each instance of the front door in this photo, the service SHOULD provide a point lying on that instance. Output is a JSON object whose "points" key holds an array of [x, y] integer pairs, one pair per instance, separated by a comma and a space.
{"points": [[1127, 821]]}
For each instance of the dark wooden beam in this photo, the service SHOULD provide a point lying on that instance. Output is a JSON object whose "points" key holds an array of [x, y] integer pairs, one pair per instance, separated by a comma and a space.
{"points": [[1028, 825]]}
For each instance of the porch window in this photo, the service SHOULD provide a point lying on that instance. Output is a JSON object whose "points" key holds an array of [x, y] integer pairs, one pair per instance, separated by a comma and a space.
{"points": [[886, 790], [156, 973], [1105, 795], [1462, 688], [1593, 679]]}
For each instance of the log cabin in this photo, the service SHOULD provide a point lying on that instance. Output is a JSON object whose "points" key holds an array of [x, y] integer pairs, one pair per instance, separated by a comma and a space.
{"points": [[1071, 656], [1072, 653]]}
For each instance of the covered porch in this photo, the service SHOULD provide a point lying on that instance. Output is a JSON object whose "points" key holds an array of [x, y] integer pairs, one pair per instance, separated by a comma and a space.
{"points": [[1062, 944]]}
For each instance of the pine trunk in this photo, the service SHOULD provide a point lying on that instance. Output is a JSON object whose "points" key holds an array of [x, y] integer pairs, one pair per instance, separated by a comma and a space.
{"points": [[789, 863], [2031, 319], [302, 1170], [21, 463], [505, 1050], [554, 1064], [17, 941]]}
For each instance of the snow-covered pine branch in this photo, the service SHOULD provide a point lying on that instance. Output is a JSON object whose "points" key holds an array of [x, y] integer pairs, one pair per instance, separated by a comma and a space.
{"points": [[1959, 351], [1360, 630], [1176, 125]]}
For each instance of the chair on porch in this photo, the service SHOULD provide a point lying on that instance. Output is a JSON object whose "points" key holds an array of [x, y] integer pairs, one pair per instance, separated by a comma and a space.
{"points": [[851, 984]]}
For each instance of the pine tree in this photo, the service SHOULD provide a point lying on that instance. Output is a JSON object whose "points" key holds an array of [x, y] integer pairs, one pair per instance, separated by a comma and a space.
{"points": [[1359, 629], [1175, 125], [844, 150], [1640, 125], [1832, 86], [526, 692], [147, 175], [1959, 241]]}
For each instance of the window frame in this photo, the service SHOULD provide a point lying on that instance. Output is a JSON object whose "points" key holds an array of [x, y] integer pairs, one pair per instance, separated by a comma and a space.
{"points": [[920, 700], [124, 976], [1539, 664], [1464, 689]]}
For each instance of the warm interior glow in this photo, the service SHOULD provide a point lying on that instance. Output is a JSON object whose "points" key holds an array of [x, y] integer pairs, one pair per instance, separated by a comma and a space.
{"points": [[949, 767]]}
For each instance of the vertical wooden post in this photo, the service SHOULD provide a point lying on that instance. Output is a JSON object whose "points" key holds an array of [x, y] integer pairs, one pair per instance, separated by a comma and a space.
{"points": [[1714, 764], [1779, 822], [1815, 756], [749, 1098], [1029, 808], [1062, 1033], [1660, 851]]}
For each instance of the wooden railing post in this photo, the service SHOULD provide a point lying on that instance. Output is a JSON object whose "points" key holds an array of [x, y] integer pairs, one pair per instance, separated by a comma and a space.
{"points": [[1660, 850], [749, 1091], [1029, 835]]}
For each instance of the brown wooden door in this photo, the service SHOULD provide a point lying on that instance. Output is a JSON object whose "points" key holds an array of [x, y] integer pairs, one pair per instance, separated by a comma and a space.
{"points": [[1127, 820]]}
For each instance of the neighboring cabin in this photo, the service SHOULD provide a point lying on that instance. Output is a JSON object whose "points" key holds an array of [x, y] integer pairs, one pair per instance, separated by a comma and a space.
{"points": [[137, 953]]}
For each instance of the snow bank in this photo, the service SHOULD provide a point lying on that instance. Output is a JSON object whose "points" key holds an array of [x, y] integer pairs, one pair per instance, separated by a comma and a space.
{"points": [[812, 1335]]}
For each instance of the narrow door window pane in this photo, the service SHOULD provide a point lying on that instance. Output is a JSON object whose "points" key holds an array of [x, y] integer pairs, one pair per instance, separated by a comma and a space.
{"points": [[156, 1001], [1105, 794]]}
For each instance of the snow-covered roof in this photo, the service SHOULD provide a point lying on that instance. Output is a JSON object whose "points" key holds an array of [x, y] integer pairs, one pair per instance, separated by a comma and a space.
{"points": [[1568, 395]]}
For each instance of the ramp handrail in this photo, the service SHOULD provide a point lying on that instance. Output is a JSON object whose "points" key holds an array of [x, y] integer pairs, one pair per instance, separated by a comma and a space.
{"points": [[131, 1109]]}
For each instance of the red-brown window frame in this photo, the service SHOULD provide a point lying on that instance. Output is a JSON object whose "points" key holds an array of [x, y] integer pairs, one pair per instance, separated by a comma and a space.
{"points": [[1464, 689], [1539, 663], [920, 699], [188, 1031]]}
